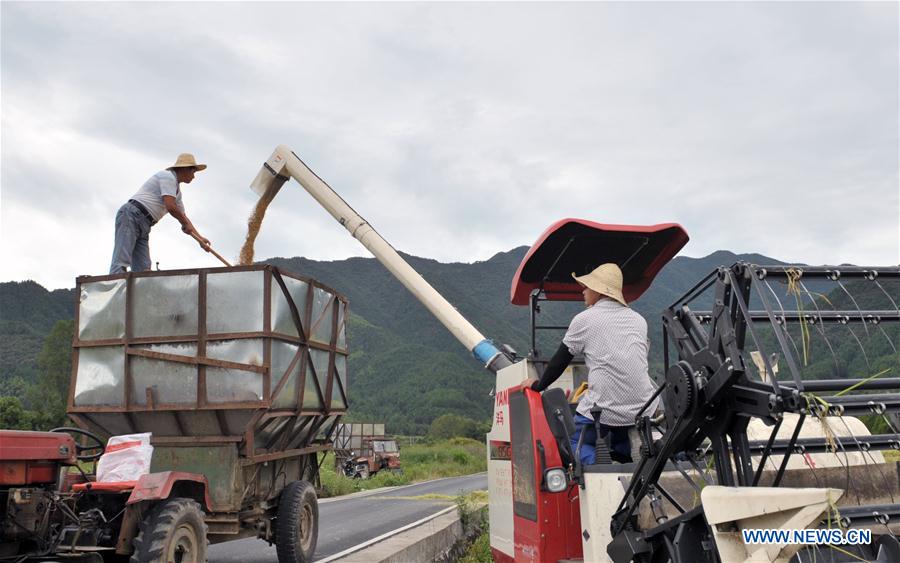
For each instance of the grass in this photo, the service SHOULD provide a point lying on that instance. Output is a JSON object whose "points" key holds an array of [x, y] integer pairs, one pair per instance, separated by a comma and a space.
{"points": [[891, 455], [421, 462], [472, 509], [480, 550]]}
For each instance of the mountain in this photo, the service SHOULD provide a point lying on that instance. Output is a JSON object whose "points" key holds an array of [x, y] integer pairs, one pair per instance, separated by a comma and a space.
{"points": [[27, 313], [480, 292], [405, 368]]}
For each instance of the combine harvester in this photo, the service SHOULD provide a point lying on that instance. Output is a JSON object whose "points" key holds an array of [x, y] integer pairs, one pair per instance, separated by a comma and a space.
{"points": [[738, 448]]}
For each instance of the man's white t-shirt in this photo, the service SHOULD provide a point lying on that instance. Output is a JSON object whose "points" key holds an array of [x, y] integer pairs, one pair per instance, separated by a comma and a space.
{"points": [[613, 339], [151, 193]]}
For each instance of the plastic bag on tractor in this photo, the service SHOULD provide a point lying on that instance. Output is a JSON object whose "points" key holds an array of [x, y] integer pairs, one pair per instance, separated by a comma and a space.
{"points": [[126, 458]]}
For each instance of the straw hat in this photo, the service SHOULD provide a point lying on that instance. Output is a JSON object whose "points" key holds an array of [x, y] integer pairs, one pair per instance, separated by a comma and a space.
{"points": [[606, 279], [186, 160]]}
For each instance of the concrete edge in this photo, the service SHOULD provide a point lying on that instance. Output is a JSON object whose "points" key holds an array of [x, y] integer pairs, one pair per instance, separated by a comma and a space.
{"points": [[431, 539]]}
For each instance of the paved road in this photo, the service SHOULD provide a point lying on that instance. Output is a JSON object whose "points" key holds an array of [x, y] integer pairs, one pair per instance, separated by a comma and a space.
{"points": [[346, 522]]}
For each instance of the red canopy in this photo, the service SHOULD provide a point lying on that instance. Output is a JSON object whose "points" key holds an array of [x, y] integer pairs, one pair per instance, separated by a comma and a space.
{"points": [[578, 245]]}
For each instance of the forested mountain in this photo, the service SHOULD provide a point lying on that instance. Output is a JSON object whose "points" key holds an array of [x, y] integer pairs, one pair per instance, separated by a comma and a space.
{"points": [[405, 368], [27, 313], [481, 291]]}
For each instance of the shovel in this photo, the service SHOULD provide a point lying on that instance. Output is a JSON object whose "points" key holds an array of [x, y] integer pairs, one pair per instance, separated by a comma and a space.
{"points": [[214, 253]]}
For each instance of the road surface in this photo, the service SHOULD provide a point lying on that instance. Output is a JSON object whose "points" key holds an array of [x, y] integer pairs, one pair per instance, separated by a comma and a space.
{"points": [[345, 522]]}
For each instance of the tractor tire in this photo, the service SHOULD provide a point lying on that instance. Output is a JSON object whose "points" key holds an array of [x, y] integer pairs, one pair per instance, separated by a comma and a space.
{"points": [[297, 525], [172, 532]]}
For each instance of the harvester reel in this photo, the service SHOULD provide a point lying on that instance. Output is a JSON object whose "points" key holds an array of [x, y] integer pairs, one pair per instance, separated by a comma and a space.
{"points": [[711, 401], [681, 391]]}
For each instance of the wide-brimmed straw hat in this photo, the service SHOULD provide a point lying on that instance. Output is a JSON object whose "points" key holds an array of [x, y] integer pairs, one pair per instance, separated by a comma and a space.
{"points": [[186, 160], [606, 279]]}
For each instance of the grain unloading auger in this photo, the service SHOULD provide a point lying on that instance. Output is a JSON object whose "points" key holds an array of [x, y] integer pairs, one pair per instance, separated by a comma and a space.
{"points": [[737, 449], [284, 164]]}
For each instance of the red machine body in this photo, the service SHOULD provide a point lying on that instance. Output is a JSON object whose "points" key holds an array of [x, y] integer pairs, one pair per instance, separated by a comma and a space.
{"points": [[33, 457], [158, 486], [547, 524]]}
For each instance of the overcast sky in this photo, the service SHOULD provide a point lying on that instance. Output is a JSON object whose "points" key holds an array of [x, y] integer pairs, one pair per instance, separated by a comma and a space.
{"points": [[458, 130]]}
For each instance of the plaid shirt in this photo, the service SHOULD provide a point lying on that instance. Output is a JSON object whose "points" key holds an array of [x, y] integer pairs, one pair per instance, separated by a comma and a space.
{"points": [[613, 339]]}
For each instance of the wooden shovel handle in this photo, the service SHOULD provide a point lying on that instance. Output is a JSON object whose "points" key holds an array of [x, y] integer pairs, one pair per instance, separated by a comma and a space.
{"points": [[214, 253]]}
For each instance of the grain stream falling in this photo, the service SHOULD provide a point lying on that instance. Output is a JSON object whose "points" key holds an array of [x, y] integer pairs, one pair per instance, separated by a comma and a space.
{"points": [[253, 225]]}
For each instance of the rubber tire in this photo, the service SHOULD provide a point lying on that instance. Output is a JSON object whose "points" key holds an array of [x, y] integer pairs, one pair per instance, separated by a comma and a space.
{"points": [[168, 520], [297, 507]]}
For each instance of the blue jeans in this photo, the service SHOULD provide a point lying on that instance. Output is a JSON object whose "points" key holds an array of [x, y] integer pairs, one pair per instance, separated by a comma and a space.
{"points": [[132, 243], [619, 443]]}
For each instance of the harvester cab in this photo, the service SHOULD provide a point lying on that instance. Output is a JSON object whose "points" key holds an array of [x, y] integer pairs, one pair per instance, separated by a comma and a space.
{"points": [[742, 466], [578, 246], [530, 461]]}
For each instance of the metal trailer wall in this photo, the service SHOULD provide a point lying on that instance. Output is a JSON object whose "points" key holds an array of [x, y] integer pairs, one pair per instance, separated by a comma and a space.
{"points": [[349, 436], [248, 355]]}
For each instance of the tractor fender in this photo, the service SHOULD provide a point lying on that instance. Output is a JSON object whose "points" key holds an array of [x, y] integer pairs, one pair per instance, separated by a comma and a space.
{"points": [[159, 486]]}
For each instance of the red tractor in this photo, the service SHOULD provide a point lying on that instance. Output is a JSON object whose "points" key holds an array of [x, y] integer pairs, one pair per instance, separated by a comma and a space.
{"points": [[378, 454], [52, 509]]}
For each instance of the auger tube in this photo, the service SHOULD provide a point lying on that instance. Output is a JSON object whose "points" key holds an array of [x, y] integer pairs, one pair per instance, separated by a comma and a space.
{"points": [[285, 164]]}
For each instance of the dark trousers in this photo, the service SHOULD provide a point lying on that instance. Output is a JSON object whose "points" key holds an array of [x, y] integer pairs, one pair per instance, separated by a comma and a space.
{"points": [[615, 436]]}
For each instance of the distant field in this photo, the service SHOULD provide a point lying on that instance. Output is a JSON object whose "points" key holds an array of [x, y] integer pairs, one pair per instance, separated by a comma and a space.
{"points": [[421, 462]]}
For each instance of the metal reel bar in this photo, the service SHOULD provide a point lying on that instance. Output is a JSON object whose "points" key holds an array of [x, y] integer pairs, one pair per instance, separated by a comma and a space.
{"points": [[827, 317], [824, 272], [821, 445]]}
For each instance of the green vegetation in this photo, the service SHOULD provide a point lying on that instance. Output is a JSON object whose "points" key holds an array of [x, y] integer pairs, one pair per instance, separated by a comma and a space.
{"points": [[28, 312], [469, 509], [335, 484], [480, 549], [472, 510], [421, 462], [451, 425], [13, 415], [42, 405]]}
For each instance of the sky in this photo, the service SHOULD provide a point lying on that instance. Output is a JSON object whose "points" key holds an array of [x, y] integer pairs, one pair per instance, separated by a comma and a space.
{"points": [[458, 130]]}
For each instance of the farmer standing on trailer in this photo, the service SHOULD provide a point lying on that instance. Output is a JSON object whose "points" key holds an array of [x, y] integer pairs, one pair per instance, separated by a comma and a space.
{"points": [[613, 339], [159, 195]]}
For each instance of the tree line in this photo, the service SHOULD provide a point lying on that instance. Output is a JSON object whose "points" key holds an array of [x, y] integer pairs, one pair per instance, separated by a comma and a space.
{"points": [[42, 405]]}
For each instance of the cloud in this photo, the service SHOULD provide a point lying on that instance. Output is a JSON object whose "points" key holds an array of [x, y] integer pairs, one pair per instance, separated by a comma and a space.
{"points": [[457, 130]]}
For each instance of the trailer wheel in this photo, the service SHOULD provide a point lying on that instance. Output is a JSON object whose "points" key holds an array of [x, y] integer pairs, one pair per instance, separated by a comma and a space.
{"points": [[297, 527], [173, 532]]}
